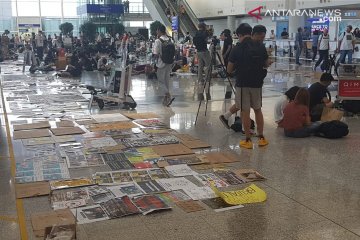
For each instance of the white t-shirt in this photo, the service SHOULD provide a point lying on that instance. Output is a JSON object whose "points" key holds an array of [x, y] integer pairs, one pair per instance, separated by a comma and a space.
{"points": [[324, 42], [157, 50], [279, 108], [346, 41]]}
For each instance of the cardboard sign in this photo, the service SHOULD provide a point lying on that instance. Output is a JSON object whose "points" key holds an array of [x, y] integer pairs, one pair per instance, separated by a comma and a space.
{"points": [[41, 221], [190, 206], [44, 124], [195, 144], [67, 131], [112, 126], [172, 150], [145, 115], [251, 194], [32, 189], [249, 175], [25, 134]]}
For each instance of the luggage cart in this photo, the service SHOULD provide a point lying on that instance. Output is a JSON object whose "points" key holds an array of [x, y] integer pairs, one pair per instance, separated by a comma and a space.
{"points": [[349, 87]]}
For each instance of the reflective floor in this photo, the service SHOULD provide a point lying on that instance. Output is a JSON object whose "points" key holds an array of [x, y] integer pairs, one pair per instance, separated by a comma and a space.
{"points": [[312, 184]]}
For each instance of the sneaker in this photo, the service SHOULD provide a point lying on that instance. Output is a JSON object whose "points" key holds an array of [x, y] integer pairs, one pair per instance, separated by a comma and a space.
{"points": [[224, 121], [170, 102], [246, 144], [262, 142]]}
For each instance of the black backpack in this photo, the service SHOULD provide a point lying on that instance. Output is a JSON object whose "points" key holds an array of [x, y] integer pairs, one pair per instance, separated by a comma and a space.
{"points": [[167, 51], [332, 129], [352, 106]]}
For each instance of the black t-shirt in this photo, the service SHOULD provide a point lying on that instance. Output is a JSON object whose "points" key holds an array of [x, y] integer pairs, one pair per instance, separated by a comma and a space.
{"points": [[249, 74], [317, 92], [200, 41], [227, 43], [284, 33]]}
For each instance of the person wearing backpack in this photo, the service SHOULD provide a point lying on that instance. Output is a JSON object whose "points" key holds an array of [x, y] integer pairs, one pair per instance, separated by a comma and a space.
{"points": [[298, 45], [200, 40], [248, 59], [323, 48], [346, 46], [296, 121], [164, 51]]}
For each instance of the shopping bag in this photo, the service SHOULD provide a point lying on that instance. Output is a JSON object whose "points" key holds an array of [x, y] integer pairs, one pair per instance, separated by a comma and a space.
{"points": [[330, 114]]}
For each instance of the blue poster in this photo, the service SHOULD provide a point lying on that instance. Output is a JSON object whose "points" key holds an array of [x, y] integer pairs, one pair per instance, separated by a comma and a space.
{"points": [[175, 23], [317, 24], [100, 9]]}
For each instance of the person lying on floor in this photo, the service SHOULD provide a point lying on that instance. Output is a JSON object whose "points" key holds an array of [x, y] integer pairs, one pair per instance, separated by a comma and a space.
{"points": [[320, 97], [296, 121], [280, 105]]}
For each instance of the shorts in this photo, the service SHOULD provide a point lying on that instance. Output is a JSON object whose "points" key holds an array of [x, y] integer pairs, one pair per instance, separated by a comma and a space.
{"points": [[246, 98]]}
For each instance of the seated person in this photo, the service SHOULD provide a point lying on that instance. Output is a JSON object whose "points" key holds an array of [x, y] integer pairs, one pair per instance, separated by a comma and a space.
{"points": [[296, 121], [280, 105], [74, 69], [102, 64], [320, 96]]}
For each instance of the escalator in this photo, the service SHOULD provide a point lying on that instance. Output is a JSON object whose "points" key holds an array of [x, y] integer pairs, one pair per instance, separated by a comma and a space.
{"points": [[187, 21]]}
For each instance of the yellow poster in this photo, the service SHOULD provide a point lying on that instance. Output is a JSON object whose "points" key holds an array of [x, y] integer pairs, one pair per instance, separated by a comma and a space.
{"points": [[251, 194]]}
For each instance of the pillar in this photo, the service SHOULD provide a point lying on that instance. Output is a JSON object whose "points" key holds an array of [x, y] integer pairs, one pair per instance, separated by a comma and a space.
{"points": [[294, 21], [231, 23]]}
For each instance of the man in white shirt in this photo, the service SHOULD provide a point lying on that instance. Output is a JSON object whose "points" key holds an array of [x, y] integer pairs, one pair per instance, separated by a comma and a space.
{"points": [[272, 35], [346, 46], [163, 69], [323, 48], [39, 41]]}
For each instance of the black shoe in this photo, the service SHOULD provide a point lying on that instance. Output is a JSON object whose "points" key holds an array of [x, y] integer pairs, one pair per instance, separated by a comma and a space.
{"points": [[170, 102], [228, 95], [224, 121], [208, 96], [200, 97]]}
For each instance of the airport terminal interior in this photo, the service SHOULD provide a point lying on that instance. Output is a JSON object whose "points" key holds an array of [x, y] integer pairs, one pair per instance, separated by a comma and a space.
{"points": [[180, 119]]}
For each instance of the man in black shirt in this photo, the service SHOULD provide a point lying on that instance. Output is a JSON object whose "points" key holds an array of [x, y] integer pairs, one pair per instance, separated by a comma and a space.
{"points": [[200, 41], [284, 34], [320, 96], [248, 59]]}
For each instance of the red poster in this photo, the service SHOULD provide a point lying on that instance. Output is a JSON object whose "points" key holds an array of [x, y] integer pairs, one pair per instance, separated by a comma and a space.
{"points": [[349, 88]]}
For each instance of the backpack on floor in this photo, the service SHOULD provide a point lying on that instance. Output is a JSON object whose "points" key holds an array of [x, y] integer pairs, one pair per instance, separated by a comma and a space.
{"points": [[333, 129], [352, 106]]}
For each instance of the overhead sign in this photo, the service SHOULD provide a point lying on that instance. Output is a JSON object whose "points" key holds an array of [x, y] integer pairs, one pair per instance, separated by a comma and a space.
{"points": [[175, 23], [318, 24], [100, 9]]}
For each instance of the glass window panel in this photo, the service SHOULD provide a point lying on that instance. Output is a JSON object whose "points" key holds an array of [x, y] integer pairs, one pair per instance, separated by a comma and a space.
{"points": [[50, 8], [28, 8]]}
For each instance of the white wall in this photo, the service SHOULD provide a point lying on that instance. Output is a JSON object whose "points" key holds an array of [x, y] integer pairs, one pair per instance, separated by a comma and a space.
{"points": [[266, 21], [218, 25], [316, 4]]}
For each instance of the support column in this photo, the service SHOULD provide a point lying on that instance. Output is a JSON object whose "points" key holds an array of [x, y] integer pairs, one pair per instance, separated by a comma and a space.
{"points": [[231, 23], [294, 21]]}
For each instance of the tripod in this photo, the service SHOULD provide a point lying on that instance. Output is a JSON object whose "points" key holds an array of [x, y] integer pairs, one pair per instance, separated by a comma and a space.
{"points": [[214, 54]]}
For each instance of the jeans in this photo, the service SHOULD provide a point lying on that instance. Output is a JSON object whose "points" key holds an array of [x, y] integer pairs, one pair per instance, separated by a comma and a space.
{"points": [[314, 49], [298, 53], [304, 131], [40, 52], [342, 57], [323, 56]]}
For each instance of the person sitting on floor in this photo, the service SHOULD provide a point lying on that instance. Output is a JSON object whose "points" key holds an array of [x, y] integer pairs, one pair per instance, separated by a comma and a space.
{"points": [[74, 69], [320, 97], [296, 121], [280, 105]]}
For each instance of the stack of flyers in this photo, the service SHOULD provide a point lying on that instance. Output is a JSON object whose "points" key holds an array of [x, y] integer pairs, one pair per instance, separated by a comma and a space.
{"points": [[229, 177], [119, 207], [102, 197], [209, 179], [89, 214], [174, 196], [103, 178], [69, 198], [158, 173], [135, 155], [95, 190], [117, 161], [189, 160], [78, 182], [99, 142], [121, 177], [150, 203], [130, 189], [140, 176], [150, 187], [180, 170], [151, 123]]}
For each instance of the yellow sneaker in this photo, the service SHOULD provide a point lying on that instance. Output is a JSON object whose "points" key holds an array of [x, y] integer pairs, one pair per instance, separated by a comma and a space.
{"points": [[246, 144], [262, 142]]}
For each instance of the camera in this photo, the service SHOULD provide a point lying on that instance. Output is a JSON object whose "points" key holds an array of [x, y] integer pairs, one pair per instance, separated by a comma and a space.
{"points": [[215, 41]]}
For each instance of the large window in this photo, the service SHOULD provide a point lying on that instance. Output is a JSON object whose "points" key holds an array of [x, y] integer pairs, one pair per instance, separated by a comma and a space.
{"points": [[28, 8], [50, 8], [137, 6]]}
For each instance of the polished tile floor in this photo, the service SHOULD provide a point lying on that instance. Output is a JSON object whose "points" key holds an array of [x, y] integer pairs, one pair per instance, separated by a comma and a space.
{"points": [[312, 186]]}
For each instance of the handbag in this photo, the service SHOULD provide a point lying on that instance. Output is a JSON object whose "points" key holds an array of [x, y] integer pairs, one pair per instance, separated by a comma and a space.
{"points": [[330, 114]]}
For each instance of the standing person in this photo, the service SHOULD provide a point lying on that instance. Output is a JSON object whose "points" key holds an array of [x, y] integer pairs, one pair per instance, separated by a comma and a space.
{"points": [[315, 41], [346, 46], [248, 59], [164, 51], [357, 32], [39, 41], [17, 41], [298, 45], [323, 47], [272, 35], [228, 44], [296, 121], [200, 41]]}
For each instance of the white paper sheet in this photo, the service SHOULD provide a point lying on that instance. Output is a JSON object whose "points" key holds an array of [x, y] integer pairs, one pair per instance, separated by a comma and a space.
{"points": [[180, 170]]}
